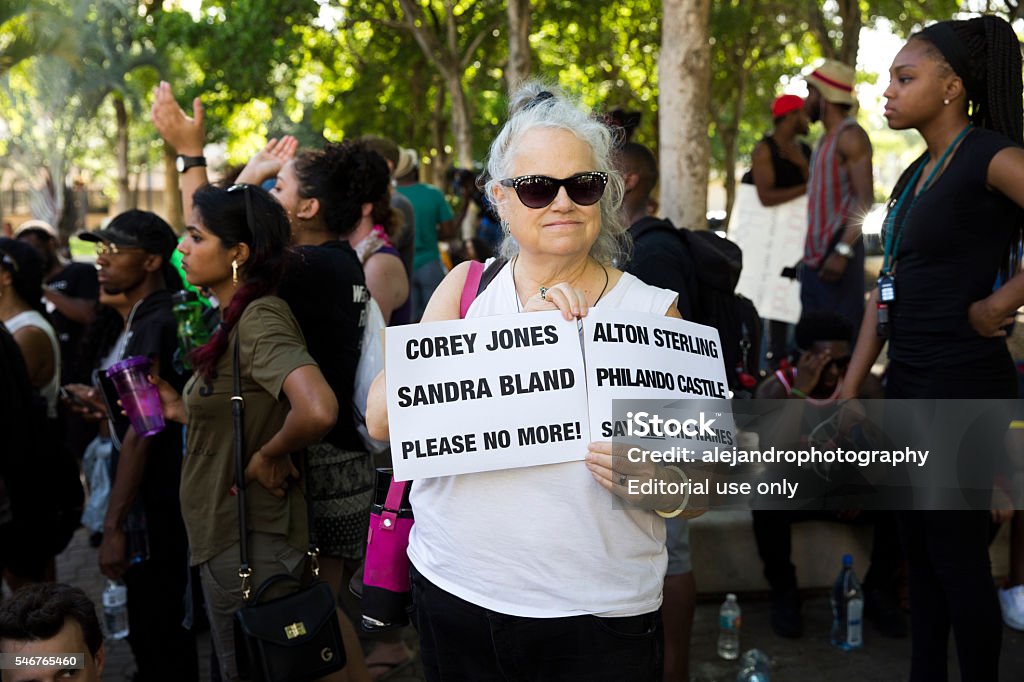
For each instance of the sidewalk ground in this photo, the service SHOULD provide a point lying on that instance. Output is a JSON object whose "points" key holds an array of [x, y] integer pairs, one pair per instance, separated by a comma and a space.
{"points": [[809, 659]]}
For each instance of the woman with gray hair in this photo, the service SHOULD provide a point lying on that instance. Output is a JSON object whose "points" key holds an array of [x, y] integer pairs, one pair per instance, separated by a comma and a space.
{"points": [[528, 573]]}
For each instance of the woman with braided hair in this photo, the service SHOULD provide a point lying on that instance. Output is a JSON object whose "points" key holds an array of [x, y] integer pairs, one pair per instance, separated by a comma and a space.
{"points": [[952, 232]]}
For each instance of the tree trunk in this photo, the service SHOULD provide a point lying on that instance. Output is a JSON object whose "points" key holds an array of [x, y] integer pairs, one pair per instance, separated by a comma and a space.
{"points": [[852, 22], [684, 77], [460, 118], [730, 138], [518, 69], [172, 191], [124, 191], [437, 132]]}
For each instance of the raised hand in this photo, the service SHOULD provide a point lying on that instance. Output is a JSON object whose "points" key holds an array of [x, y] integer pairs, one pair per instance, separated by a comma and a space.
{"points": [[183, 132], [269, 161]]}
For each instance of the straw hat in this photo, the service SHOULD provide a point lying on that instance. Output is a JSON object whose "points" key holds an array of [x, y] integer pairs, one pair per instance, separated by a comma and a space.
{"points": [[834, 80], [406, 162]]}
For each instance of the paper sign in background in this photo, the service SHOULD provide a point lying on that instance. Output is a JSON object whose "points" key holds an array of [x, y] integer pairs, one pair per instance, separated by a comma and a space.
{"points": [[772, 238]]}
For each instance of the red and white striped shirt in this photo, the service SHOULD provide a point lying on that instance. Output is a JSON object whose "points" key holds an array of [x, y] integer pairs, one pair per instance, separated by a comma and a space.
{"points": [[830, 197]]}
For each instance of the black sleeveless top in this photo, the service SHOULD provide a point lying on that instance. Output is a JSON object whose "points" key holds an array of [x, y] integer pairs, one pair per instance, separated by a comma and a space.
{"points": [[954, 241], [787, 173]]}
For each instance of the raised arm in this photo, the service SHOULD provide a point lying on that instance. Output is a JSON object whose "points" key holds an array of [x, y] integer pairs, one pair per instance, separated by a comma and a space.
{"points": [[186, 134], [269, 161]]}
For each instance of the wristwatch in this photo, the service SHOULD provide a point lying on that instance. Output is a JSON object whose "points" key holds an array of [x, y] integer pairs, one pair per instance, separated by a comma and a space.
{"points": [[183, 163], [842, 248]]}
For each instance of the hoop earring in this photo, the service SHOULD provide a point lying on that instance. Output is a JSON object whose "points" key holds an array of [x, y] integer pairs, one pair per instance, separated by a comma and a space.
{"points": [[234, 272]]}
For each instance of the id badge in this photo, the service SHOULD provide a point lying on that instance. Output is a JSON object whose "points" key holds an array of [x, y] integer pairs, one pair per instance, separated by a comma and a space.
{"points": [[886, 289]]}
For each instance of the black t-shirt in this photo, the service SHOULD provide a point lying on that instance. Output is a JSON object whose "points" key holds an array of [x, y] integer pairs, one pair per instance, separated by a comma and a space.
{"points": [[661, 260], [787, 173], [77, 280], [955, 239], [153, 333], [327, 293]]}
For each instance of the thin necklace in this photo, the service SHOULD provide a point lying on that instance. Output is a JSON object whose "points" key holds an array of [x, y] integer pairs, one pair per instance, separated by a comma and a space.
{"points": [[515, 287]]}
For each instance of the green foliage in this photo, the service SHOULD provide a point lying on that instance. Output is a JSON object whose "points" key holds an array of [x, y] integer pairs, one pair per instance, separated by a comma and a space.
{"points": [[328, 69]]}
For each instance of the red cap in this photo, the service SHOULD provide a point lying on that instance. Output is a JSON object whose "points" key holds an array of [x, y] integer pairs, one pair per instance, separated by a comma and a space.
{"points": [[785, 104]]}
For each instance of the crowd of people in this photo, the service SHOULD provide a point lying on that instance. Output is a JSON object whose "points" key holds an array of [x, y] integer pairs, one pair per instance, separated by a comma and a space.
{"points": [[291, 255]]}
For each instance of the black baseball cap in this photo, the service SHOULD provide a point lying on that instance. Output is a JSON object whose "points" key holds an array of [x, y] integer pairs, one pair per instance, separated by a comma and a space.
{"points": [[139, 229]]}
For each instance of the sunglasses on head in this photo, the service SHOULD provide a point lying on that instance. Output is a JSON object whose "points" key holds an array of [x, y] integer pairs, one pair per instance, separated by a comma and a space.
{"points": [[244, 189], [537, 191], [6, 259]]}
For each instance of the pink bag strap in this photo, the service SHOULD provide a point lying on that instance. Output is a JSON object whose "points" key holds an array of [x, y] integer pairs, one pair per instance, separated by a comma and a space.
{"points": [[396, 491], [471, 287]]}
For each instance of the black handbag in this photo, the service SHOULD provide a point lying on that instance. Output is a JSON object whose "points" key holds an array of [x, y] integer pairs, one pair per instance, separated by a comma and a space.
{"points": [[292, 638]]}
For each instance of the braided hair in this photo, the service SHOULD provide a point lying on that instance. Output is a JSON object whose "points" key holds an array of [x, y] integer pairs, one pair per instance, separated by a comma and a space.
{"points": [[994, 98], [342, 177]]}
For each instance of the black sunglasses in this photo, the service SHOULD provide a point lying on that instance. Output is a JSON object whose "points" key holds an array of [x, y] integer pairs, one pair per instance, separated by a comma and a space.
{"points": [[244, 189], [537, 191]]}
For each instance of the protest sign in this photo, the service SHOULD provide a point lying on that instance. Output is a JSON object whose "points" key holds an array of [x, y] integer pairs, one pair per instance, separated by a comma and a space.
{"points": [[772, 238], [484, 394], [631, 355]]}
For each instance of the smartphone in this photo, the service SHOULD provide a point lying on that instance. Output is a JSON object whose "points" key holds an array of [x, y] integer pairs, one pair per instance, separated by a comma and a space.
{"points": [[118, 420], [72, 398]]}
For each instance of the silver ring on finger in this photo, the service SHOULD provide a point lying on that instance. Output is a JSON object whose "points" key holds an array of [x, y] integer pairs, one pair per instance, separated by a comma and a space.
{"points": [[622, 479], [543, 293]]}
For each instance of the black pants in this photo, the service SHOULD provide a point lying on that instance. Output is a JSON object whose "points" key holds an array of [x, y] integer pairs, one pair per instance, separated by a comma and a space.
{"points": [[462, 641], [772, 530], [951, 585], [163, 649]]}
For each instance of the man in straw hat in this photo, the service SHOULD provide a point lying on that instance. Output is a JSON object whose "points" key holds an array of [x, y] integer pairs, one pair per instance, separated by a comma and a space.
{"points": [[839, 194]]}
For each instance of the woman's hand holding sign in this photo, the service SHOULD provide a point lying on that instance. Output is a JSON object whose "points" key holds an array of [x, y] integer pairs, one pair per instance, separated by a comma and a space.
{"points": [[642, 483], [562, 296]]}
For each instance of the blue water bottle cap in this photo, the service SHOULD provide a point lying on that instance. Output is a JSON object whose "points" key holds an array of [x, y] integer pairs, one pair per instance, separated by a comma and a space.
{"points": [[847, 560]]}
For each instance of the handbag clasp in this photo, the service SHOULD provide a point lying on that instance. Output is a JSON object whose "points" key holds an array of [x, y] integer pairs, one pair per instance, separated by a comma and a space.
{"points": [[244, 574], [295, 630], [314, 563]]}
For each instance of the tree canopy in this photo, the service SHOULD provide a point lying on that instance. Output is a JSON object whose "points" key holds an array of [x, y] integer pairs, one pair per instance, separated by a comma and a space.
{"points": [[76, 76]]}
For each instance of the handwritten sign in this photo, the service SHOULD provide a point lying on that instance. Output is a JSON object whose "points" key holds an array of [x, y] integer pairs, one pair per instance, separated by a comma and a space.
{"points": [[484, 394], [772, 238]]}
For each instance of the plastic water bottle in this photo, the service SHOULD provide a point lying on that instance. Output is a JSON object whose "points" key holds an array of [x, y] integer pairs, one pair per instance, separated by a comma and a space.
{"points": [[847, 608], [115, 609], [754, 667], [729, 621]]}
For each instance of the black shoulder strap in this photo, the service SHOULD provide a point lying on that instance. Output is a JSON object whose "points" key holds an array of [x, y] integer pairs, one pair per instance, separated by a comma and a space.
{"points": [[238, 420], [489, 273]]}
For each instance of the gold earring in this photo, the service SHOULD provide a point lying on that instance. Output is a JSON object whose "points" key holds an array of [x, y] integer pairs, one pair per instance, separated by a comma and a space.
{"points": [[234, 272]]}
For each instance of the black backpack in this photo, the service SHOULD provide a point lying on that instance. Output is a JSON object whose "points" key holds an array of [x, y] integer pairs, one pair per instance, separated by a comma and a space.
{"points": [[718, 262]]}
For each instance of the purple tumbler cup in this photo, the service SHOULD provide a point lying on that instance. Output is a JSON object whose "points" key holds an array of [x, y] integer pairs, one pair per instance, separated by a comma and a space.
{"points": [[139, 398]]}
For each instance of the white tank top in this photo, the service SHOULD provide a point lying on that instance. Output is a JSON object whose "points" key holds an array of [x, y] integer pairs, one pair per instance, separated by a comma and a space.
{"points": [[31, 318], [542, 541]]}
